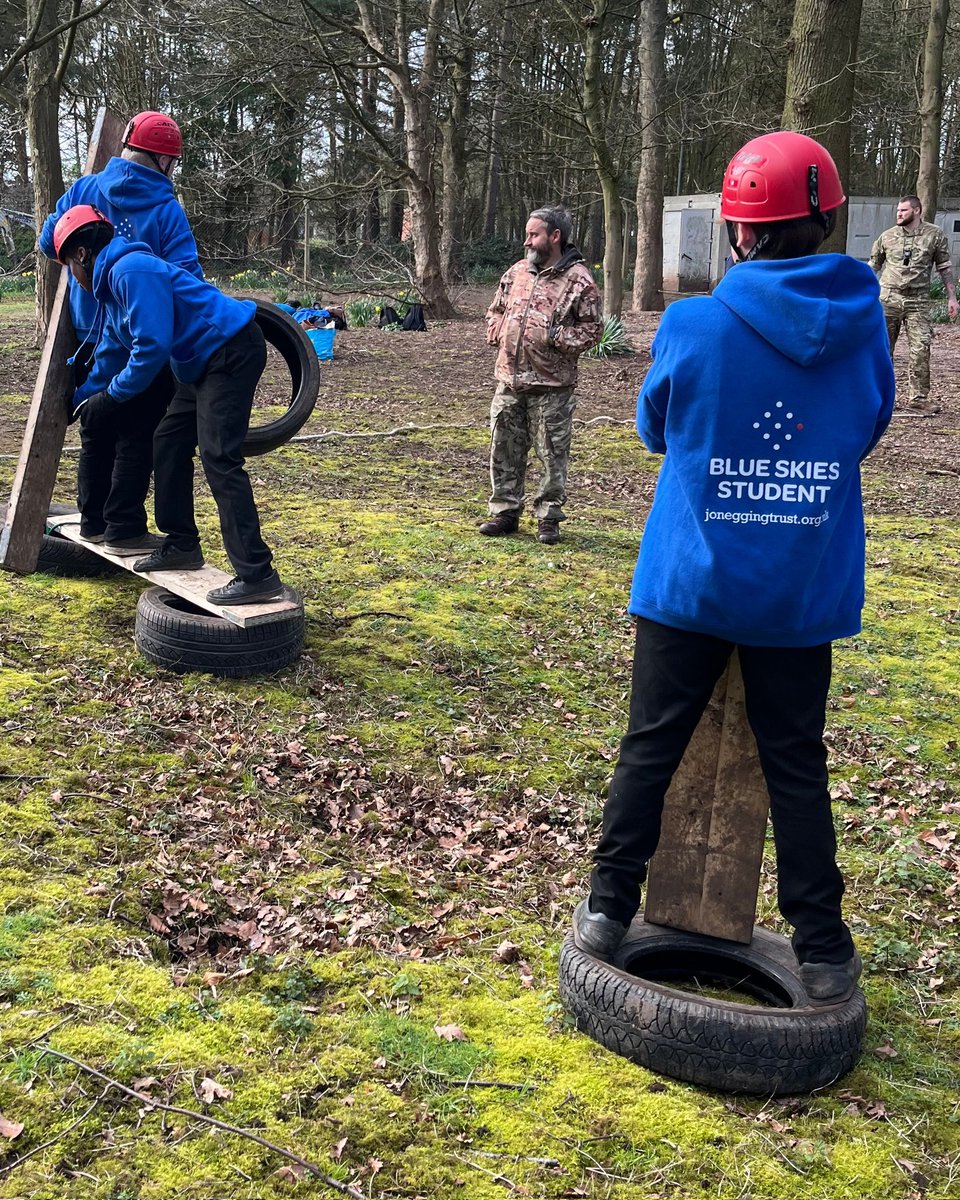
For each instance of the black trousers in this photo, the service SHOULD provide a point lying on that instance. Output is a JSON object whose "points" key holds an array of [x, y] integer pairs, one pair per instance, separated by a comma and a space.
{"points": [[674, 673], [214, 415], [116, 460]]}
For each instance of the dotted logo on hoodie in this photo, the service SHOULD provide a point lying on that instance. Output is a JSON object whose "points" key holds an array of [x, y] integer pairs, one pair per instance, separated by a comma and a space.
{"points": [[777, 431]]}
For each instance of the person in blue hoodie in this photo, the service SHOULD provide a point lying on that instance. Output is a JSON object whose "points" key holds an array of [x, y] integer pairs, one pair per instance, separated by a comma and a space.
{"points": [[135, 193], [156, 314], [764, 398]]}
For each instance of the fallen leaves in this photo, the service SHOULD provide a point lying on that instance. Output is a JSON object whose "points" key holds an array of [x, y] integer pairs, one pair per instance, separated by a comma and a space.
{"points": [[9, 1129], [210, 1090], [450, 1033], [222, 851]]}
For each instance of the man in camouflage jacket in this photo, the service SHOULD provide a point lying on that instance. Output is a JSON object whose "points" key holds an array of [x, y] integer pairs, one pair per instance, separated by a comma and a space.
{"points": [[545, 314], [904, 257]]}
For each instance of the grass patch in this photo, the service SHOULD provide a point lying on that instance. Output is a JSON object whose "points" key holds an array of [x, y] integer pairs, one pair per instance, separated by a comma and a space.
{"points": [[301, 886]]}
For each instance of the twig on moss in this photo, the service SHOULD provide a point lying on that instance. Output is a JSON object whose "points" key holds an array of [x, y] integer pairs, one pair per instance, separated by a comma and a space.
{"points": [[483, 1083], [373, 612], [4, 1170], [149, 1102], [494, 1175], [543, 1162]]}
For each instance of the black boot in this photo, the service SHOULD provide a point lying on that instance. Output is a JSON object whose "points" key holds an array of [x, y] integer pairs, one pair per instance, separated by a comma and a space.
{"points": [[502, 524], [548, 532]]}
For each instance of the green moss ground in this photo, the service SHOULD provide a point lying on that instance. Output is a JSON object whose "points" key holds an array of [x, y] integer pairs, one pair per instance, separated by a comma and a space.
{"points": [[417, 789]]}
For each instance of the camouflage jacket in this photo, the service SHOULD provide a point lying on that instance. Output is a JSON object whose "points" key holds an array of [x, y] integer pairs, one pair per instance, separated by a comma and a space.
{"points": [[903, 260], [543, 321]]}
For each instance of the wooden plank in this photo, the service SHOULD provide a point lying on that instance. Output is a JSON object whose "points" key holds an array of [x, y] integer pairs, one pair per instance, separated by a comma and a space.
{"points": [[36, 473], [705, 876], [191, 585]]}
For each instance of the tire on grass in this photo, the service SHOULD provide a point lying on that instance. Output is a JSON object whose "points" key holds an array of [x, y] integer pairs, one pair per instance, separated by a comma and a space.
{"points": [[637, 1008], [292, 344], [61, 556], [173, 633]]}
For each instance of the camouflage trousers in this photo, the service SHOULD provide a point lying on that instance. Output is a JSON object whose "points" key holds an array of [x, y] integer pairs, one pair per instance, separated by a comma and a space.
{"points": [[517, 420], [911, 312]]}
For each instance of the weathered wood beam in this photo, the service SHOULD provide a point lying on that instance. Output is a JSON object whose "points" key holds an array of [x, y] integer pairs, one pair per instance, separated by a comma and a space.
{"points": [[705, 876], [36, 474]]}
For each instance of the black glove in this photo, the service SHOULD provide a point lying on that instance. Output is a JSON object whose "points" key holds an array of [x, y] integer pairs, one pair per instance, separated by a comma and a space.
{"points": [[99, 407]]}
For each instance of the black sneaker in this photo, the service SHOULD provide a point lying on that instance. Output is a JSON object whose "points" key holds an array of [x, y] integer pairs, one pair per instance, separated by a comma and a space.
{"points": [[502, 524], [143, 543], [95, 538], [168, 557], [264, 591], [595, 933], [831, 983]]}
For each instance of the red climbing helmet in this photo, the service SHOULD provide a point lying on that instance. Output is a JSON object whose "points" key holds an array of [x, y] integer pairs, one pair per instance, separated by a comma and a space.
{"points": [[78, 217], [154, 132], [779, 177]]}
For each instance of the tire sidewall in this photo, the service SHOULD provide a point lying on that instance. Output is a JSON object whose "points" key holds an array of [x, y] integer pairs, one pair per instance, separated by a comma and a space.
{"points": [[291, 342]]}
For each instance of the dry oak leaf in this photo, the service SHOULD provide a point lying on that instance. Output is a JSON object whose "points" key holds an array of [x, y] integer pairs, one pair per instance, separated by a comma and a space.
{"points": [[507, 952], [290, 1173], [9, 1129], [450, 1033], [210, 1090], [884, 1051]]}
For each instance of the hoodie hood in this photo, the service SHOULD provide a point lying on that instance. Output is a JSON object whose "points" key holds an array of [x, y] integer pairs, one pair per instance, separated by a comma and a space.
{"points": [[566, 260], [132, 187], [108, 258], [809, 309]]}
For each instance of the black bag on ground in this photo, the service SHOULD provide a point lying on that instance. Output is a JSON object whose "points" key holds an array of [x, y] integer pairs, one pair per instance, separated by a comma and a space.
{"points": [[389, 316], [414, 321]]}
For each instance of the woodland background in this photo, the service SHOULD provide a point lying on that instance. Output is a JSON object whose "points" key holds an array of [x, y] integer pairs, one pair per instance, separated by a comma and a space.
{"points": [[448, 120]]}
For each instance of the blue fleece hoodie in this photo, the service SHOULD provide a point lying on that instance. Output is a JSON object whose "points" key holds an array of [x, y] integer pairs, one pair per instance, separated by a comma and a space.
{"points": [[155, 313], [764, 397], [140, 204]]}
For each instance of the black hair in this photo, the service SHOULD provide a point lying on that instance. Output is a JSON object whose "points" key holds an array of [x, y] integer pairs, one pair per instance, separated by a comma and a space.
{"points": [[795, 238], [92, 237]]}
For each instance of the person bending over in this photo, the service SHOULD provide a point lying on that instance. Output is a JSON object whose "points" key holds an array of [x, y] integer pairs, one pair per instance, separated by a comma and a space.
{"points": [[157, 314]]}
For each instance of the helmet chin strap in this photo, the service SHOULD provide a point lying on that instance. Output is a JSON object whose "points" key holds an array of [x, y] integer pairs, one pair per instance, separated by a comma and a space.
{"points": [[754, 250]]}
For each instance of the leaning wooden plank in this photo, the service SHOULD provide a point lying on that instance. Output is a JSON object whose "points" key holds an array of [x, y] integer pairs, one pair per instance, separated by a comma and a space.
{"points": [[36, 474], [705, 875], [191, 585]]}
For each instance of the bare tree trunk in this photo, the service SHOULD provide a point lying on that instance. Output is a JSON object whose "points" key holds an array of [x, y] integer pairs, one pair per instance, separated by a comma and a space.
{"points": [[594, 112], [648, 268], [417, 99], [454, 150], [821, 68], [41, 104], [931, 108], [496, 129]]}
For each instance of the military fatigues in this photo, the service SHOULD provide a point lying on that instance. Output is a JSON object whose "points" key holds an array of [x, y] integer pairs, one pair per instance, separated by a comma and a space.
{"points": [[542, 321], [904, 259]]}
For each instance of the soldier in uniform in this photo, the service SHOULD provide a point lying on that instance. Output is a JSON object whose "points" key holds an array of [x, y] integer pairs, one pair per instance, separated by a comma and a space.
{"points": [[545, 314], [903, 258]]}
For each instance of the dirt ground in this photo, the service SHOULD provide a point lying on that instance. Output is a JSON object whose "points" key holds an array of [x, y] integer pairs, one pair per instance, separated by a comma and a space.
{"points": [[382, 380]]}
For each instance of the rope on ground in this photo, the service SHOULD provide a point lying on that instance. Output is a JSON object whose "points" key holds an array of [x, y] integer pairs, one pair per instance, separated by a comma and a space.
{"points": [[398, 431], [141, 1098], [376, 433]]}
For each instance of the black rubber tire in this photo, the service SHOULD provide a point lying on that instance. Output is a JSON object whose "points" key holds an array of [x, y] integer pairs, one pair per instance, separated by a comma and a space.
{"points": [[60, 556], [293, 345], [173, 633], [788, 1046]]}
